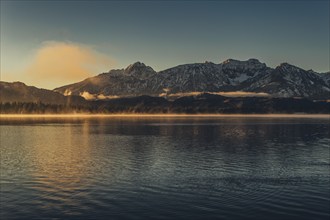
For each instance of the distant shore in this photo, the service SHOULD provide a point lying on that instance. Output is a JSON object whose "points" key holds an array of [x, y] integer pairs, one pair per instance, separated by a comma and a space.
{"points": [[294, 115]]}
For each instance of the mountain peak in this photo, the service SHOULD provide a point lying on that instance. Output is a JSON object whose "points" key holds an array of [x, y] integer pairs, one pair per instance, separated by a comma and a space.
{"points": [[18, 83], [253, 60], [230, 61], [285, 64], [250, 61], [139, 70], [248, 64], [287, 67], [137, 64]]}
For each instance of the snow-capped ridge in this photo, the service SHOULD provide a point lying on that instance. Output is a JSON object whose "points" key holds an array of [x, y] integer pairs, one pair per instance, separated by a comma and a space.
{"points": [[249, 64], [232, 75], [289, 68], [249, 61]]}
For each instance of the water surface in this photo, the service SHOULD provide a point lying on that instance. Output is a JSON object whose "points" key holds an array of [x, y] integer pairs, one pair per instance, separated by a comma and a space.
{"points": [[165, 168]]}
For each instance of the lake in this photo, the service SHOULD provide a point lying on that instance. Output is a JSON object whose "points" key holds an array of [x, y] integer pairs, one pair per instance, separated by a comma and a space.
{"points": [[224, 167]]}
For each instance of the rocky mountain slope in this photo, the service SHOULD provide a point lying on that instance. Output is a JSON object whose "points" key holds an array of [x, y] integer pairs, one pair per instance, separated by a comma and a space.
{"points": [[326, 77], [19, 92], [250, 76], [289, 81]]}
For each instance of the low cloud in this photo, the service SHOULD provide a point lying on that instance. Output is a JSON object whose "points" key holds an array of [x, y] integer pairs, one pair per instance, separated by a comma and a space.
{"points": [[59, 63], [89, 96]]}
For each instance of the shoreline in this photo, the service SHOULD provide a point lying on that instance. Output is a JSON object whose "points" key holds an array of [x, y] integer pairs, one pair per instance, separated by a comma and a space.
{"points": [[277, 115]]}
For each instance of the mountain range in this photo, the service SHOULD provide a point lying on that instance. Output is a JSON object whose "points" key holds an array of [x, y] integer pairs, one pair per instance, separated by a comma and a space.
{"points": [[231, 76], [229, 87]]}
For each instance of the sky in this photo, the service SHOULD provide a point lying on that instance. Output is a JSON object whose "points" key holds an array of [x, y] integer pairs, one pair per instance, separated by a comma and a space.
{"points": [[52, 43]]}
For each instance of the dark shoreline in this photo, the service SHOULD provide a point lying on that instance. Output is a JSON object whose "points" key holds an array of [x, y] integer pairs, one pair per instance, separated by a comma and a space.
{"points": [[201, 104]]}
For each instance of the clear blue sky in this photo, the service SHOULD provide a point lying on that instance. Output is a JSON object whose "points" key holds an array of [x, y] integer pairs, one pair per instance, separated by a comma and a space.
{"points": [[163, 34]]}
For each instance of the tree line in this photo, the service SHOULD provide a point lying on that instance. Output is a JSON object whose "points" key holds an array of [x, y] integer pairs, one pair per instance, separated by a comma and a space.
{"points": [[40, 108]]}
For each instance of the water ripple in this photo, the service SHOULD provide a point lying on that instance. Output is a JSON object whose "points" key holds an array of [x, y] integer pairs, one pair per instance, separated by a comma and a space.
{"points": [[166, 169]]}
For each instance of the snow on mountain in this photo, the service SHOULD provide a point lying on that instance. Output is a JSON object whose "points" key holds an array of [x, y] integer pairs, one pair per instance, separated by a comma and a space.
{"points": [[290, 81], [240, 71], [188, 78], [326, 78], [229, 76]]}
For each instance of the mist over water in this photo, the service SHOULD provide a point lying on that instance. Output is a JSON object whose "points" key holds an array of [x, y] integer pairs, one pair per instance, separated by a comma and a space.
{"points": [[165, 168]]}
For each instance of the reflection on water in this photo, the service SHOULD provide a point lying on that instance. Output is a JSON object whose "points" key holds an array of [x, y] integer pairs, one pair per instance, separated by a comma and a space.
{"points": [[137, 168]]}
